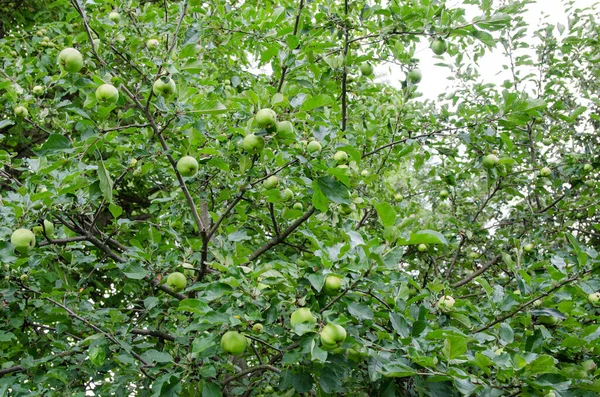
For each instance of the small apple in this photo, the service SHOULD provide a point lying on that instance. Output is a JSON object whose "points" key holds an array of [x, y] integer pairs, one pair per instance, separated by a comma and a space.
{"points": [[446, 303], [21, 111], [473, 255], [332, 336], [120, 37], [545, 172], [38, 90], [547, 141], [528, 247], [366, 69], [414, 76], [23, 240], [39, 33], [271, 182], [332, 285], [490, 161], [422, 247], [538, 303], [398, 197], [550, 394], [49, 226], [152, 44], [365, 173], [44, 43], [444, 194], [287, 194], [588, 167], [176, 281], [70, 60], [285, 128], [114, 16], [340, 156], [107, 94], [590, 183], [438, 46], [253, 143], [301, 316], [594, 298], [165, 86], [298, 206], [233, 342], [187, 166], [313, 147], [257, 328], [266, 118], [548, 320], [46, 39]]}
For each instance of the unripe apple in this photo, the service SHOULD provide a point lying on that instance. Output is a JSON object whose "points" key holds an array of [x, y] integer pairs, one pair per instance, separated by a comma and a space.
{"points": [[550, 394], [107, 94], [547, 141], [176, 281], [298, 206], [38, 90], [446, 303], [438, 46], [332, 336], [152, 44], [398, 197], [473, 255], [233, 342], [49, 226], [285, 128], [332, 285], [528, 247], [187, 166], [365, 173], [287, 194], [301, 316], [164, 86], [545, 172], [538, 303], [266, 118], [39, 33], [422, 248], [120, 37], [340, 156], [490, 161], [313, 147], [590, 183], [548, 320], [253, 143], [414, 76], [114, 16], [444, 194], [257, 328], [271, 182], [366, 69], [23, 240], [70, 60], [588, 167], [594, 298], [21, 111]]}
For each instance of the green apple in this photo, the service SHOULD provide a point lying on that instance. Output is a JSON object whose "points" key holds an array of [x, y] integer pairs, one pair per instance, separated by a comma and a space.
{"points": [[44, 43], [414, 76], [287, 194], [253, 143], [39, 33], [285, 128], [590, 183], [187, 166], [114, 16], [340, 156], [313, 147], [70, 60], [333, 284], [266, 118], [473, 255], [446, 303], [165, 86], [298, 206], [528, 247], [176, 281], [444, 194], [152, 44], [538, 303], [302, 316], [588, 167], [366, 69], [545, 172], [120, 37], [97, 43], [23, 240], [271, 182], [490, 161], [548, 320], [188, 269], [107, 94], [422, 247], [438, 46], [550, 394], [594, 298], [49, 226], [547, 141], [398, 197], [21, 111], [365, 173], [38, 90], [332, 336], [233, 342], [257, 328]]}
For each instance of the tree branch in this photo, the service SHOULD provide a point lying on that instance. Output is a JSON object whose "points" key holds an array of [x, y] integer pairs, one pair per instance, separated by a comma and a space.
{"points": [[477, 272]]}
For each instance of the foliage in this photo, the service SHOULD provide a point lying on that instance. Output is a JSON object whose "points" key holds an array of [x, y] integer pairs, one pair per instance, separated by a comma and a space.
{"points": [[87, 310]]}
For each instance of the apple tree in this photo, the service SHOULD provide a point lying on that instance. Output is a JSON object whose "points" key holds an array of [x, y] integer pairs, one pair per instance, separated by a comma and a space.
{"points": [[237, 199]]}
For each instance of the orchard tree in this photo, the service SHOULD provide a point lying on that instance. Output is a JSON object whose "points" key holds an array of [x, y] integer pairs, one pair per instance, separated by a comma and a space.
{"points": [[227, 198]]}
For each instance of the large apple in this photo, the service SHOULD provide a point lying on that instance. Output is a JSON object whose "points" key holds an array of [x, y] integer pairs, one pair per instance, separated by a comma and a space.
{"points": [[332, 285], [49, 226], [187, 166], [233, 342], [366, 69], [38, 90], [287, 194], [266, 118], [313, 147], [332, 336], [340, 156], [298, 206], [152, 44], [438, 46], [490, 161], [21, 111], [253, 143], [70, 60], [271, 182], [545, 172], [23, 240], [285, 128], [107, 94], [446, 303], [176, 281], [594, 298], [302, 316], [114, 16], [414, 76], [165, 86]]}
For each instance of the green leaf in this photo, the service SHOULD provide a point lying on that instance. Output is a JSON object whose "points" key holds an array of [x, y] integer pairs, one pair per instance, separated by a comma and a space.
{"points": [[334, 190], [211, 390], [424, 237], [316, 102], [106, 184], [506, 333], [454, 346], [97, 354], [397, 370], [209, 107], [54, 143], [542, 365], [195, 306], [157, 357], [387, 214]]}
